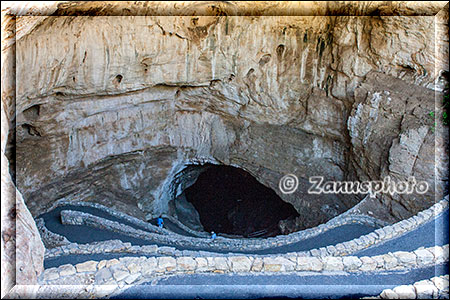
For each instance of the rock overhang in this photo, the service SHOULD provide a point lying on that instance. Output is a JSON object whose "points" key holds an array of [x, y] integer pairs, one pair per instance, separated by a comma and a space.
{"points": [[283, 103]]}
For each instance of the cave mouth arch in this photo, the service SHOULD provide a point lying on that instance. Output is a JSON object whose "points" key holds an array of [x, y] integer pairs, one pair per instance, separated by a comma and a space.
{"points": [[232, 202]]}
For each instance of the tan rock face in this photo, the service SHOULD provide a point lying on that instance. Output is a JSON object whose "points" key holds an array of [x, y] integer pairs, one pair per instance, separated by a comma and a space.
{"points": [[110, 109], [198, 92], [392, 135], [22, 249], [121, 104]]}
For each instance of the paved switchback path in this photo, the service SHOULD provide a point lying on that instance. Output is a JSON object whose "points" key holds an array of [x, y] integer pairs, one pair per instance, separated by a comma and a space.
{"points": [[52, 221], [86, 234], [232, 286], [432, 233], [305, 285]]}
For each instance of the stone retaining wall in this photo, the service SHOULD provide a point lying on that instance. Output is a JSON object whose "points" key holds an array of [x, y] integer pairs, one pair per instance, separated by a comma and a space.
{"points": [[383, 234], [148, 226], [244, 242], [163, 261], [434, 288], [117, 246], [49, 238], [378, 236], [339, 220], [70, 217], [135, 270], [103, 247]]}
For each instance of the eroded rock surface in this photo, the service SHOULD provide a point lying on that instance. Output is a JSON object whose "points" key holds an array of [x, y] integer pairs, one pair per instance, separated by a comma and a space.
{"points": [[22, 249], [111, 109], [120, 105]]}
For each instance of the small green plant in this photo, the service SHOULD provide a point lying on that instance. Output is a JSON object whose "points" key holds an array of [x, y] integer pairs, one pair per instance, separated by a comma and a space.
{"points": [[431, 114], [446, 102], [445, 107], [445, 112]]}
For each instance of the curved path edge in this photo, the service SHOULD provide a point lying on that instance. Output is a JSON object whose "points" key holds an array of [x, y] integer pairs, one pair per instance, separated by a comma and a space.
{"points": [[136, 270], [433, 288], [243, 243], [377, 237]]}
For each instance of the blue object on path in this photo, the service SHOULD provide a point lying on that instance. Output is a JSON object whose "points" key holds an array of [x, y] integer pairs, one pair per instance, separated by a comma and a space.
{"points": [[213, 235], [160, 222]]}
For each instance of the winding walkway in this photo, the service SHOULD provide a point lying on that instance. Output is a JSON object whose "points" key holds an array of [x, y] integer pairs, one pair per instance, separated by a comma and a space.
{"points": [[85, 234], [324, 276], [329, 286], [426, 235], [231, 286], [432, 233], [53, 223]]}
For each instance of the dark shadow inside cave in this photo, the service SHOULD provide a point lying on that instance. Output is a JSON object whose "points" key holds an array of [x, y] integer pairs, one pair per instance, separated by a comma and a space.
{"points": [[231, 201]]}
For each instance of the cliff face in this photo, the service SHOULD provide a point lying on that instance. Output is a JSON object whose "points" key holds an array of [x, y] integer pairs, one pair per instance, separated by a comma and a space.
{"points": [[111, 108], [22, 249]]}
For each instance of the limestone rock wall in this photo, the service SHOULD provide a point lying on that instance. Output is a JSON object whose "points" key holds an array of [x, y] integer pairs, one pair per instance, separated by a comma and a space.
{"points": [[22, 249], [201, 85], [393, 135], [273, 95], [110, 109]]}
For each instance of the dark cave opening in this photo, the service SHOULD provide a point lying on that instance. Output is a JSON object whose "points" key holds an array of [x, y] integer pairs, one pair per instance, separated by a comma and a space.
{"points": [[231, 201]]}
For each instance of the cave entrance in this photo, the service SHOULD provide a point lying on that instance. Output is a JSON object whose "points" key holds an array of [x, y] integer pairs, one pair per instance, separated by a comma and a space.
{"points": [[231, 201]]}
